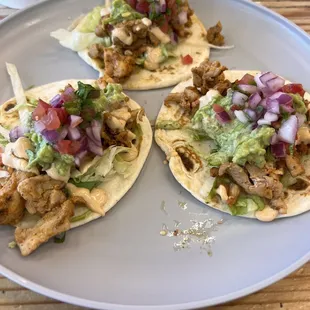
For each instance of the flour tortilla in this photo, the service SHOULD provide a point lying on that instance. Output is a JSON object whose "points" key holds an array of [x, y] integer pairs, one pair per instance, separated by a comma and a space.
{"points": [[117, 186], [171, 71], [200, 183]]}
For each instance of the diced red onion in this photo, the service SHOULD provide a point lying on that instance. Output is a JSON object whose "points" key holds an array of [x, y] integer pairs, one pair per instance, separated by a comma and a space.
{"points": [[223, 117], [274, 139], [96, 128], [275, 84], [57, 101], [271, 117], [174, 38], [239, 98], [241, 116], [288, 130], [254, 100], [111, 27], [267, 76], [301, 118], [157, 9], [63, 133], [51, 136], [183, 17], [163, 6], [68, 94], [263, 103], [262, 122], [74, 133], [287, 108], [250, 89], [257, 79], [91, 137], [39, 126], [94, 148], [79, 157], [278, 150], [285, 99], [16, 133], [273, 106], [75, 120], [84, 144], [251, 114]]}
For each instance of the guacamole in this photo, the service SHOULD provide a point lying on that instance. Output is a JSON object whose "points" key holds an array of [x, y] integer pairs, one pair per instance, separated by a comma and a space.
{"points": [[235, 141]]}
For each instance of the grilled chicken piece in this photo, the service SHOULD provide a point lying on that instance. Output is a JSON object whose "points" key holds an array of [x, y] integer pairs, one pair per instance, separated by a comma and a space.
{"points": [[12, 206], [118, 66], [51, 224], [42, 194], [214, 35], [259, 188], [294, 166], [210, 75]]}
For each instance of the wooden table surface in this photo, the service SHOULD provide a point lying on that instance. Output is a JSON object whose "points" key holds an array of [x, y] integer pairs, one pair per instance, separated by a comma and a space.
{"points": [[291, 293]]}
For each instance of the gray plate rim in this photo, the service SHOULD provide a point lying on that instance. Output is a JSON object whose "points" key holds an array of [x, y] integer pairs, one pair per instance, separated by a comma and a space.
{"points": [[191, 305]]}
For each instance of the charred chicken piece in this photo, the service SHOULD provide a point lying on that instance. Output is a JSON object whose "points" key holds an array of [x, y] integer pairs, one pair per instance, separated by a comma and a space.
{"points": [[42, 194], [214, 35], [12, 205], [188, 100], [210, 75], [50, 225], [294, 166], [117, 66]]}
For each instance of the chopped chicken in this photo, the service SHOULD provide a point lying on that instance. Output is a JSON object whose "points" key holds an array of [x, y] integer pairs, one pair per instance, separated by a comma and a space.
{"points": [[234, 192], [210, 75], [114, 123], [214, 35], [42, 193], [303, 136], [294, 166], [12, 206], [260, 188], [122, 113], [118, 66], [51, 224], [188, 100], [96, 51]]}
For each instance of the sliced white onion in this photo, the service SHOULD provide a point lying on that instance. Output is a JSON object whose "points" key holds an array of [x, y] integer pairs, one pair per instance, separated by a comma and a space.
{"points": [[287, 132], [241, 116]]}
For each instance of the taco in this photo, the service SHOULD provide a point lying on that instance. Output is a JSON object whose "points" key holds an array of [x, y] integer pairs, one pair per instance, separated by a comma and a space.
{"points": [[141, 44], [69, 152], [239, 141]]}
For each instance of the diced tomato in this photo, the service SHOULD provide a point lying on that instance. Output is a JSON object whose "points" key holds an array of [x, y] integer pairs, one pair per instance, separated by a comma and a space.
{"points": [[164, 24], [217, 108], [132, 3], [187, 60], [236, 107], [62, 114], [293, 89], [68, 147], [51, 120], [142, 7], [248, 79], [40, 110]]}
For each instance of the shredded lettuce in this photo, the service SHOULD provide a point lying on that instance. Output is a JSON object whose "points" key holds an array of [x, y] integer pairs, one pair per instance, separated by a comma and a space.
{"points": [[75, 40], [99, 167], [21, 100], [246, 204], [91, 20], [81, 217]]}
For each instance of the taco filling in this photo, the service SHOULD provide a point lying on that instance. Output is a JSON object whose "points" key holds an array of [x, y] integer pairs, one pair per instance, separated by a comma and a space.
{"points": [[70, 150], [122, 39], [247, 140]]}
